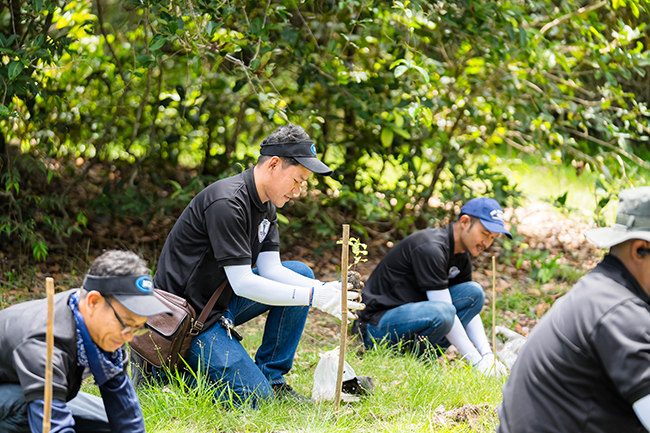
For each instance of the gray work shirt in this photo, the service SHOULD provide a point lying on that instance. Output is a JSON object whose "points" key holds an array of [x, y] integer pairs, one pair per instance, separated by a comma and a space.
{"points": [[586, 362], [23, 351]]}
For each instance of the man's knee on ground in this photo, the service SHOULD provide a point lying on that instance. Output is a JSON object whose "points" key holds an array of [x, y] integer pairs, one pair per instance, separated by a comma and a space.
{"points": [[476, 292]]}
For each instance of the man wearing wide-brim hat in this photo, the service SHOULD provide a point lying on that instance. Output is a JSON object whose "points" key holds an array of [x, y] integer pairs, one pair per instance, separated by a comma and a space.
{"points": [[586, 365]]}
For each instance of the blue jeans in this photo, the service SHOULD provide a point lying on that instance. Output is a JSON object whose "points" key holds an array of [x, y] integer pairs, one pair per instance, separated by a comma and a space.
{"points": [[422, 324], [87, 410], [228, 365]]}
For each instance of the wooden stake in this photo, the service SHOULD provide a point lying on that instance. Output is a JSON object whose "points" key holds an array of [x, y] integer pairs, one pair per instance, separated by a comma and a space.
{"points": [[49, 340], [344, 314], [494, 306]]}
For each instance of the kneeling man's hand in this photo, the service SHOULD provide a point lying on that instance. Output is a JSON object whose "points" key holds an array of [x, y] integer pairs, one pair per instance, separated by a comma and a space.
{"points": [[327, 298], [490, 366]]}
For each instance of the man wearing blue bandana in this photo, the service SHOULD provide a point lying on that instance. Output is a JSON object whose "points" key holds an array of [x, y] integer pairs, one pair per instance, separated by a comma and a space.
{"points": [[91, 325], [422, 294], [228, 229]]}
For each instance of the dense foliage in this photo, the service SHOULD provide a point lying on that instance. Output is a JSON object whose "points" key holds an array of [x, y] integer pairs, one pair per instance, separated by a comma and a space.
{"points": [[124, 109]]}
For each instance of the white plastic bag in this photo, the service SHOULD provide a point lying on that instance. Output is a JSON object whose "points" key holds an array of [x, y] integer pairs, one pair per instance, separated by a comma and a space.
{"points": [[509, 350], [325, 375]]}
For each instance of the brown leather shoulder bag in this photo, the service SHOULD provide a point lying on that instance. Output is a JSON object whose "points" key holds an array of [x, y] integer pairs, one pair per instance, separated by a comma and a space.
{"points": [[169, 339]]}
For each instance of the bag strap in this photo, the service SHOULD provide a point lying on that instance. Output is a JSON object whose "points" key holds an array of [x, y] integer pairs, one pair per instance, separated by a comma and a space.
{"points": [[197, 326]]}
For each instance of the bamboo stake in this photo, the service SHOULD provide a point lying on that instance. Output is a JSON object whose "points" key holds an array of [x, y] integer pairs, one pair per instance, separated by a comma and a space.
{"points": [[494, 307], [49, 340], [344, 314]]}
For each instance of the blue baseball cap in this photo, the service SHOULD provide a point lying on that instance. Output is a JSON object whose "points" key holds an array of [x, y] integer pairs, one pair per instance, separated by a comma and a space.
{"points": [[489, 212]]}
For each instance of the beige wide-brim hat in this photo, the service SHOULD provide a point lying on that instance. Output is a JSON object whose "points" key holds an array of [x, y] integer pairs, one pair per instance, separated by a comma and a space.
{"points": [[632, 220]]}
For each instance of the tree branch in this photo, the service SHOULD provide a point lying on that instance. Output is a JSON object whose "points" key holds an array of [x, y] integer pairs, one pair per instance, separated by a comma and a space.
{"points": [[583, 10], [620, 151]]}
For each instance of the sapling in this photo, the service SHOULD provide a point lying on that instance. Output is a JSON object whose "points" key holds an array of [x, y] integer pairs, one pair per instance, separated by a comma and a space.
{"points": [[359, 251]]}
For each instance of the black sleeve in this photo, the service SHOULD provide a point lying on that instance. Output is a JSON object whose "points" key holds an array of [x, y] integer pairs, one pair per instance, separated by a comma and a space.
{"points": [[430, 266], [29, 360], [622, 342], [122, 405], [227, 224]]}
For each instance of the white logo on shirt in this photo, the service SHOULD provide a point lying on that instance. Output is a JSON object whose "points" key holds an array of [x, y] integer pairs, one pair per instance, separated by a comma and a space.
{"points": [[263, 229], [497, 215], [453, 272]]}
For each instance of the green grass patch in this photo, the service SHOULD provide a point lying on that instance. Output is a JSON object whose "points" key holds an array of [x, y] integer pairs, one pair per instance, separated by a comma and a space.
{"points": [[408, 390]]}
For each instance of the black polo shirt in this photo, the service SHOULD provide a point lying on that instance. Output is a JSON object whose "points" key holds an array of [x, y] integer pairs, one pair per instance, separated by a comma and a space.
{"points": [[586, 362], [423, 261], [225, 224]]}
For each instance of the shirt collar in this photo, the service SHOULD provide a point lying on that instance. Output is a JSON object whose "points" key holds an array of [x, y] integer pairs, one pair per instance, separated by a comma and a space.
{"points": [[614, 268], [249, 178], [452, 243]]}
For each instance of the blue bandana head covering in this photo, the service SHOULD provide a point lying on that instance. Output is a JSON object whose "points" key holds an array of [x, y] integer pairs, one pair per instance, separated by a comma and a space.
{"points": [[103, 365]]}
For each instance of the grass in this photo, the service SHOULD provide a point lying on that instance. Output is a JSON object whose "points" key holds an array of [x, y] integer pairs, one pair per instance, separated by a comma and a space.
{"points": [[408, 390]]}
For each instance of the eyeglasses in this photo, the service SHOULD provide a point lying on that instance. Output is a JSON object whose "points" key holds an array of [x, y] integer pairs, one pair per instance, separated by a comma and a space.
{"points": [[125, 328]]}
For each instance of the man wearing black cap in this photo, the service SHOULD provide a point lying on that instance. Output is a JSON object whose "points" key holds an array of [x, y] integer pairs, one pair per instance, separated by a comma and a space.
{"points": [[91, 326], [586, 365], [228, 228], [422, 292]]}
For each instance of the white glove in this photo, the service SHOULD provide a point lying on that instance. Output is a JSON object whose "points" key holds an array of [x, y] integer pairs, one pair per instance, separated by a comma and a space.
{"points": [[327, 298], [490, 366]]}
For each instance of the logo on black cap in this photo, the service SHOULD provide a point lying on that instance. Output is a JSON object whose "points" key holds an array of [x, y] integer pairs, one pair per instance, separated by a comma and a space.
{"points": [[144, 284]]}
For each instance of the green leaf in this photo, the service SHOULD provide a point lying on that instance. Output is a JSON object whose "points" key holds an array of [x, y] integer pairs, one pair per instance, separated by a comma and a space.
{"points": [[3, 110], [610, 77], [82, 219], [523, 37], [423, 72], [38, 41], [40, 250], [401, 132], [15, 68], [255, 64], [400, 70], [212, 27], [281, 218], [157, 43], [38, 5], [387, 136], [146, 59], [625, 73]]}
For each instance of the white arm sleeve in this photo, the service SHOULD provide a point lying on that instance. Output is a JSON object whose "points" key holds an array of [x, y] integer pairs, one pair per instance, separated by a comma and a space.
{"points": [[476, 333], [270, 266], [642, 410], [248, 285], [457, 336]]}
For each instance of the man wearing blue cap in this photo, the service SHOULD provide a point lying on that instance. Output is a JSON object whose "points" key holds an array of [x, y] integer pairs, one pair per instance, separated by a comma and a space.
{"points": [[422, 292], [91, 326]]}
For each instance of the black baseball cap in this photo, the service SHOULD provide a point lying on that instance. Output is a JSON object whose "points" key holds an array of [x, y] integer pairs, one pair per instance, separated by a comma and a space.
{"points": [[134, 292], [302, 151]]}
